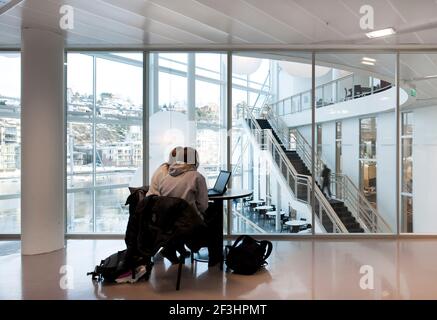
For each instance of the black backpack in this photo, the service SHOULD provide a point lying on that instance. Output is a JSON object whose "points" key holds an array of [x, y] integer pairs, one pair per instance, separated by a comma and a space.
{"points": [[247, 255], [116, 264]]}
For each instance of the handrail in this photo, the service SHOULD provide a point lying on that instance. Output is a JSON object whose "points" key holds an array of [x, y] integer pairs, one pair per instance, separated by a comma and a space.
{"points": [[240, 157], [262, 87], [299, 185], [357, 202], [334, 99], [278, 125], [369, 218]]}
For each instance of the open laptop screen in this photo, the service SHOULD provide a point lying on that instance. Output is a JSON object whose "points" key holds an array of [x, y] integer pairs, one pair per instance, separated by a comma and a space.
{"points": [[222, 181]]}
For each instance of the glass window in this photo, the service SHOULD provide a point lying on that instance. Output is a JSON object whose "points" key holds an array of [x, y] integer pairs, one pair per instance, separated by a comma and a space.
{"points": [[368, 181], [273, 89], [407, 213], [10, 142], [407, 123], [368, 165], [368, 138], [188, 108], [104, 138], [359, 138]]}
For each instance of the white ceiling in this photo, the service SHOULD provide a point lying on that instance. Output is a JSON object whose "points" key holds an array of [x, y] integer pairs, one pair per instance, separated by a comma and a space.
{"points": [[240, 23], [139, 23]]}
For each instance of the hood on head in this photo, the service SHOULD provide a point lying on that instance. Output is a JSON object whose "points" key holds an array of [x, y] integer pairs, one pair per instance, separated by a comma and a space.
{"points": [[179, 168]]}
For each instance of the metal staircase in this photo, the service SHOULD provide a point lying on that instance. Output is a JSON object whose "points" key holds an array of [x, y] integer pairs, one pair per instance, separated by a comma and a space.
{"points": [[299, 185], [350, 204]]}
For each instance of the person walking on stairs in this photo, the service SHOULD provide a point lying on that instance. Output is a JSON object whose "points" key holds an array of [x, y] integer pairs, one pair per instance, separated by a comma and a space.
{"points": [[326, 180]]}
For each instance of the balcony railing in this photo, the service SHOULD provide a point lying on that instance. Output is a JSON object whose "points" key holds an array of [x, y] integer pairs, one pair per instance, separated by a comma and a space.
{"points": [[335, 91]]}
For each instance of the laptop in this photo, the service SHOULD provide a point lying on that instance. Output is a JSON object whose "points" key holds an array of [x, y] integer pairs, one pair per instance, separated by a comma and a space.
{"points": [[220, 184]]}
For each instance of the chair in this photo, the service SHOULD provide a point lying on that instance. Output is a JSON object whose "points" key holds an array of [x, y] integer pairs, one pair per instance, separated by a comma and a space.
{"points": [[357, 90], [346, 95], [284, 219]]}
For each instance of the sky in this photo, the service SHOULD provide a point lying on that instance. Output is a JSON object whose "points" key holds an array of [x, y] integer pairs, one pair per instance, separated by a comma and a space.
{"points": [[125, 80], [10, 75]]}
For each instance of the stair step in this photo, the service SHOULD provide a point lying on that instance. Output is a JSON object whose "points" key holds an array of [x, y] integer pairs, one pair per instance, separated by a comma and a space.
{"points": [[339, 207]]}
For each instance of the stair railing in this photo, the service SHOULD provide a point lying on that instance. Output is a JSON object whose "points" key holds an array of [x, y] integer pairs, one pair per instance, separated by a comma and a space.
{"points": [[358, 204], [299, 185], [344, 190], [278, 125]]}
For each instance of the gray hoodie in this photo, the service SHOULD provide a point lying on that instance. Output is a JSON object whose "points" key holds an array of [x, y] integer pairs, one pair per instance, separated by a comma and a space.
{"points": [[183, 181]]}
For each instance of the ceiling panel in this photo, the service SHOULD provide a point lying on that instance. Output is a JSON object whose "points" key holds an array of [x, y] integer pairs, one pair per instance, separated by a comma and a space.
{"points": [[136, 23]]}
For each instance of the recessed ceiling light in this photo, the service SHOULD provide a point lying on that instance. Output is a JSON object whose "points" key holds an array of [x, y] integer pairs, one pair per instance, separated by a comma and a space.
{"points": [[381, 33], [369, 59], [433, 76], [368, 63]]}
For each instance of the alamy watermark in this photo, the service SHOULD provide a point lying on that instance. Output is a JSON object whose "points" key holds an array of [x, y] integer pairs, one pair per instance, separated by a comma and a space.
{"points": [[367, 20], [66, 22], [66, 282], [367, 280]]}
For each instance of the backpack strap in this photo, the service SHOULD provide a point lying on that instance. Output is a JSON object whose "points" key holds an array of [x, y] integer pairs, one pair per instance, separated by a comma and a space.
{"points": [[239, 239], [267, 245]]}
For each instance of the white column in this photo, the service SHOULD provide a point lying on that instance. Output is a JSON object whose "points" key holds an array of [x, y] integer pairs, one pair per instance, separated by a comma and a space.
{"points": [[42, 141], [191, 100]]}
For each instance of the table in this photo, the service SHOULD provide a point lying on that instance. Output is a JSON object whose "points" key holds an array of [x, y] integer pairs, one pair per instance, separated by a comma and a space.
{"points": [[256, 201], [295, 224], [217, 220], [264, 208], [273, 213]]}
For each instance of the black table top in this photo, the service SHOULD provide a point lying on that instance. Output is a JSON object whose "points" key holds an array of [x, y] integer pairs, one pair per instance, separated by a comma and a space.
{"points": [[232, 194]]}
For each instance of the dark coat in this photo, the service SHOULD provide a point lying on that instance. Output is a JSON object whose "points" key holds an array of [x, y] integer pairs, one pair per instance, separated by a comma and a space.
{"points": [[156, 220]]}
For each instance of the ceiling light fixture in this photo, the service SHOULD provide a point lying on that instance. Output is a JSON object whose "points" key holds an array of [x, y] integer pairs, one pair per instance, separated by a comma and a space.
{"points": [[369, 59], [368, 63], [380, 33]]}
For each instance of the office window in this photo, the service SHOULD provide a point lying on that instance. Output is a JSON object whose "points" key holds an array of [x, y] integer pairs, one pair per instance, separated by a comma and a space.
{"points": [[368, 159], [319, 139], [188, 108], [407, 172], [10, 142], [104, 138], [338, 142], [368, 138]]}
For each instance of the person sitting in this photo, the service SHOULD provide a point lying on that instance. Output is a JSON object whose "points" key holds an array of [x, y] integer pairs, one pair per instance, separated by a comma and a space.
{"points": [[185, 182], [162, 171]]}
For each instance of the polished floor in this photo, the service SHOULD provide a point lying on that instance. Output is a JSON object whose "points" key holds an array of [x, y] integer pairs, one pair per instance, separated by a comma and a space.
{"points": [[299, 269]]}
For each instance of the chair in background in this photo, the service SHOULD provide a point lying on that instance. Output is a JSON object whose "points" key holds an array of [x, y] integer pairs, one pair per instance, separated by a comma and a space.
{"points": [[346, 95], [284, 226], [305, 226]]}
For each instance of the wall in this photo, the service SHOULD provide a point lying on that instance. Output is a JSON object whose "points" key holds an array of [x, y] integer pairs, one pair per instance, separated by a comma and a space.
{"points": [[328, 144], [386, 167], [424, 170], [372, 104], [350, 149], [290, 85]]}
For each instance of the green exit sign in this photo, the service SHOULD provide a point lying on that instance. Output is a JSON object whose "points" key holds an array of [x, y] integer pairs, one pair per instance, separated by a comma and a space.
{"points": [[413, 92]]}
